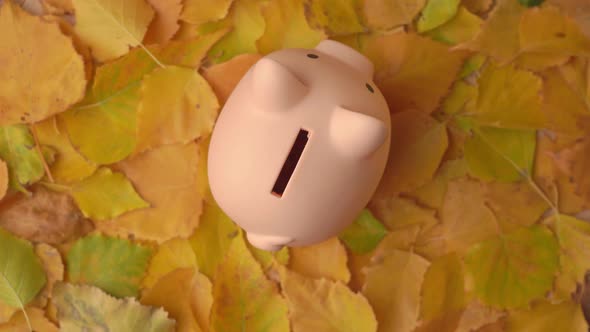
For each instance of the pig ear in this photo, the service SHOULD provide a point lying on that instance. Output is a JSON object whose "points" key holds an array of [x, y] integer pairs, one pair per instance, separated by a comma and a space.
{"points": [[274, 86], [356, 134]]}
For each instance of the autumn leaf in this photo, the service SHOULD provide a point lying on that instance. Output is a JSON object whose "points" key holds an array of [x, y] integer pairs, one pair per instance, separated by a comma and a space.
{"points": [[398, 212], [574, 240], [386, 15], [106, 195], [115, 265], [243, 299], [35, 319], [44, 216], [326, 259], [4, 179], [165, 23], [89, 308], [54, 271], [17, 149], [111, 27], [170, 255], [364, 234], [464, 26], [286, 27], [395, 297], [22, 274], [179, 293], [334, 17], [173, 196], [324, 305], [34, 87], [418, 143], [436, 13], [545, 317], [177, 106], [203, 11], [224, 77], [511, 270]]}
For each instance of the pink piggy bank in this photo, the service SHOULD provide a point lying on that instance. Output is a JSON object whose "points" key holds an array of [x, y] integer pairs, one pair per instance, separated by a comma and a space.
{"points": [[300, 145]]}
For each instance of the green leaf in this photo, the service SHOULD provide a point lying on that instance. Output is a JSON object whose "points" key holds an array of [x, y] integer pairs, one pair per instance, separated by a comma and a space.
{"points": [[500, 154], [105, 195], [17, 148], [364, 234], [21, 272], [86, 308], [511, 270], [436, 13], [115, 265]]}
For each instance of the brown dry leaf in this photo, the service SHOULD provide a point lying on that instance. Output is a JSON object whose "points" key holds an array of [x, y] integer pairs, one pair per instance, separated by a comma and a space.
{"points": [[418, 143], [413, 72], [395, 297], [179, 293], [323, 260], [54, 270], [173, 194], [224, 77], [478, 6], [45, 216], [575, 163], [34, 87], [165, 23]]}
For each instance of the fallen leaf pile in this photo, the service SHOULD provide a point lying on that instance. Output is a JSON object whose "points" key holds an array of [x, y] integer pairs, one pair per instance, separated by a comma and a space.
{"points": [[480, 223]]}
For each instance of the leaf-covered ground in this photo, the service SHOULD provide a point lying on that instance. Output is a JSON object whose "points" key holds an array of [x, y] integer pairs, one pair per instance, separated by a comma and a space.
{"points": [[480, 223]]}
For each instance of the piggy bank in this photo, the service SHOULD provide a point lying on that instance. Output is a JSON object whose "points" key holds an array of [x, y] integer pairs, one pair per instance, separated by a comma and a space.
{"points": [[300, 145]]}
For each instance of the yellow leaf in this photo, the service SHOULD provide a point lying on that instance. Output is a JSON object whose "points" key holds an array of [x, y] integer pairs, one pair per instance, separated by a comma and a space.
{"points": [[165, 22], [547, 317], [175, 200], [509, 98], [323, 260], [540, 61], [478, 6], [499, 37], [432, 193], [334, 17], [69, 166], [576, 9], [286, 27], [212, 238], [395, 296], [418, 143], [35, 317], [461, 28], [461, 99], [324, 305], [268, 258], [437, 13], [398, 212], [110, 27], [106, 195], [202, 11], [179, 293], [243, 299], [546, 30], [248, 26], [171, 255], [41, 72], [443, 292], [44, 216], [574, 238], [466, 219], [54, 270], [177, 106], [476, 316], [386, 15], [413, 72], [224, 77]]}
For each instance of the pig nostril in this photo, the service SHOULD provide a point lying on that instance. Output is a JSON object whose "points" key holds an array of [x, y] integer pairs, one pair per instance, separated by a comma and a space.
{"points": [[369, 87], [313, 56], [291, 163]]}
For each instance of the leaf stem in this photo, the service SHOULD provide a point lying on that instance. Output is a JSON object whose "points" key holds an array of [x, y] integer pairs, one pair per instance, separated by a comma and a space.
{"points": [[38, 148]]}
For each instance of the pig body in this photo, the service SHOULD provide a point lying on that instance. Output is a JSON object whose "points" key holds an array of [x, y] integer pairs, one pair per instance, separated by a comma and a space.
{"points": [[300, 145]]}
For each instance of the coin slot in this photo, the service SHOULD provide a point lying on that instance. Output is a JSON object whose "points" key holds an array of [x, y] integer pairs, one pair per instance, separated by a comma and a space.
{"points": [[291, 163]]}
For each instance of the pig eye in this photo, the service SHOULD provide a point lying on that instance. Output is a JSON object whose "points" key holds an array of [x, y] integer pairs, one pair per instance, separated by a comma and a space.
{"points": [[313, 56], [369, 87]]}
